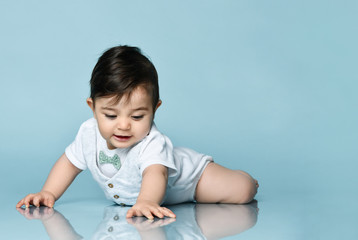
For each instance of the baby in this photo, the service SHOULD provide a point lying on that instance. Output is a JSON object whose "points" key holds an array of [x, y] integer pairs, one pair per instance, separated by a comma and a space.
{"points": [[131, 160]]}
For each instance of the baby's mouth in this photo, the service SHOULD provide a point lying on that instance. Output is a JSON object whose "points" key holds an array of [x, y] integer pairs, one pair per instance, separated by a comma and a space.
{"points": [[122, 138]]}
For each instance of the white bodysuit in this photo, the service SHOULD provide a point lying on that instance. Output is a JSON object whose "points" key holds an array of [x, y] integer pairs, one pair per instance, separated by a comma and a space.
{"points": [[121, 182]]}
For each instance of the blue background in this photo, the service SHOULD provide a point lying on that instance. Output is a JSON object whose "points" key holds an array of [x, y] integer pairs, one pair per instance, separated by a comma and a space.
{"points": [[269, 87]]}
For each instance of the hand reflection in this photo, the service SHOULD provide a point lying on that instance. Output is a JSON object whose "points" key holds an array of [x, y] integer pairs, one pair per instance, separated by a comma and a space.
{"points": [[56, 225], [144, 224], [41, 213], [151, 229]]}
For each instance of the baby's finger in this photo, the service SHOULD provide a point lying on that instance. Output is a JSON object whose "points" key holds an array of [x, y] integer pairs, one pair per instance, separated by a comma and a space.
{"points": [[158, 212], [45, 202], [168, 213], [28, 200], [20, 203], [36, 201], [129, 213], [147, 213], [132, 213], [49, 202]]}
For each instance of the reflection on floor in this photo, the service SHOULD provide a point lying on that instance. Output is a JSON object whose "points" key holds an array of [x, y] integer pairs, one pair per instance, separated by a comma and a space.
{"points": [[194, 221]]}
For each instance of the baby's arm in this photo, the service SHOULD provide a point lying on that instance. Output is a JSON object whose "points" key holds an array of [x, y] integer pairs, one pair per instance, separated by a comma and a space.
{"points": [[154, 183], [60, 178]]}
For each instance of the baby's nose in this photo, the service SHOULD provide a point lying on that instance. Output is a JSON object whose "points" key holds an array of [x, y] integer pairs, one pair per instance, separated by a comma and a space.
{"points": [[123, 124]]}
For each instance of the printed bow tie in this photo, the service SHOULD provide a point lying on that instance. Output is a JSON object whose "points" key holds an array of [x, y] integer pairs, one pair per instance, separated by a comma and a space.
{"points": [[115, 161]]}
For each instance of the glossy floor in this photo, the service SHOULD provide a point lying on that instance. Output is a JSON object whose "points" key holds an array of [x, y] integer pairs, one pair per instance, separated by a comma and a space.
{"points": [[286, 217], [194, 221]]}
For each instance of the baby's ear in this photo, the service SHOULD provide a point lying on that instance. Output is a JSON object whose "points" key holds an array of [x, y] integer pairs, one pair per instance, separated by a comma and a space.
{"points": [[158, 105], [90, 103]]}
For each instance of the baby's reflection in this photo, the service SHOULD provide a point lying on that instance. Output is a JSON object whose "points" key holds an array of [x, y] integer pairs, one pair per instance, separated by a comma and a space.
{"points": [[194, 221], [56, 225]]}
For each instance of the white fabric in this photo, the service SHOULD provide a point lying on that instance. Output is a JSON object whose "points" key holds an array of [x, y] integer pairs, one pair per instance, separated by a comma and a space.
{"points": [[185, 166]]}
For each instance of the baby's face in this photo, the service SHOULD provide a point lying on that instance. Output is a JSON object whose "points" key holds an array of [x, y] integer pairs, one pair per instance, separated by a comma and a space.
{"points": [[124, 123]]}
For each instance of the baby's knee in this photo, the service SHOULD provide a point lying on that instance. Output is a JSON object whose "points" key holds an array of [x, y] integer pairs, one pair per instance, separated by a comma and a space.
{"points": [[247, 191]]}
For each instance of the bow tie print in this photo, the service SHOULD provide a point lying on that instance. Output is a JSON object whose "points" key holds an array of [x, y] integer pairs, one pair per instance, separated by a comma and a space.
{"points": [[115, 161]]}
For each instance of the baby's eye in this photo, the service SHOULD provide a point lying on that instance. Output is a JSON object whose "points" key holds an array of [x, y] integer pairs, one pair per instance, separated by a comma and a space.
{"points": [[137, 117], [110, 116]]}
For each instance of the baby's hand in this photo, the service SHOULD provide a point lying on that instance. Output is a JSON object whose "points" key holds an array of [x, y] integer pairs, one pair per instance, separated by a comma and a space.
{"points": [[148, 209], [41, 198]]}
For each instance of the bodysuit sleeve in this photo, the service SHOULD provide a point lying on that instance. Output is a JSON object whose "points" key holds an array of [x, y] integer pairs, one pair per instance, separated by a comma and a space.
{"points": [[76, 151], [157, 149]]}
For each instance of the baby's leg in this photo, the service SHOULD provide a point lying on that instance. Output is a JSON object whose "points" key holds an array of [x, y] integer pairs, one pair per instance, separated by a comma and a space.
{"points": [[222, 185]]}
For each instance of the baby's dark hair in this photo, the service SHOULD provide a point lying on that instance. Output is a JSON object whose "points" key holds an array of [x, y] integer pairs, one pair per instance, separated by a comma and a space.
{"points": [[122, 69]]}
